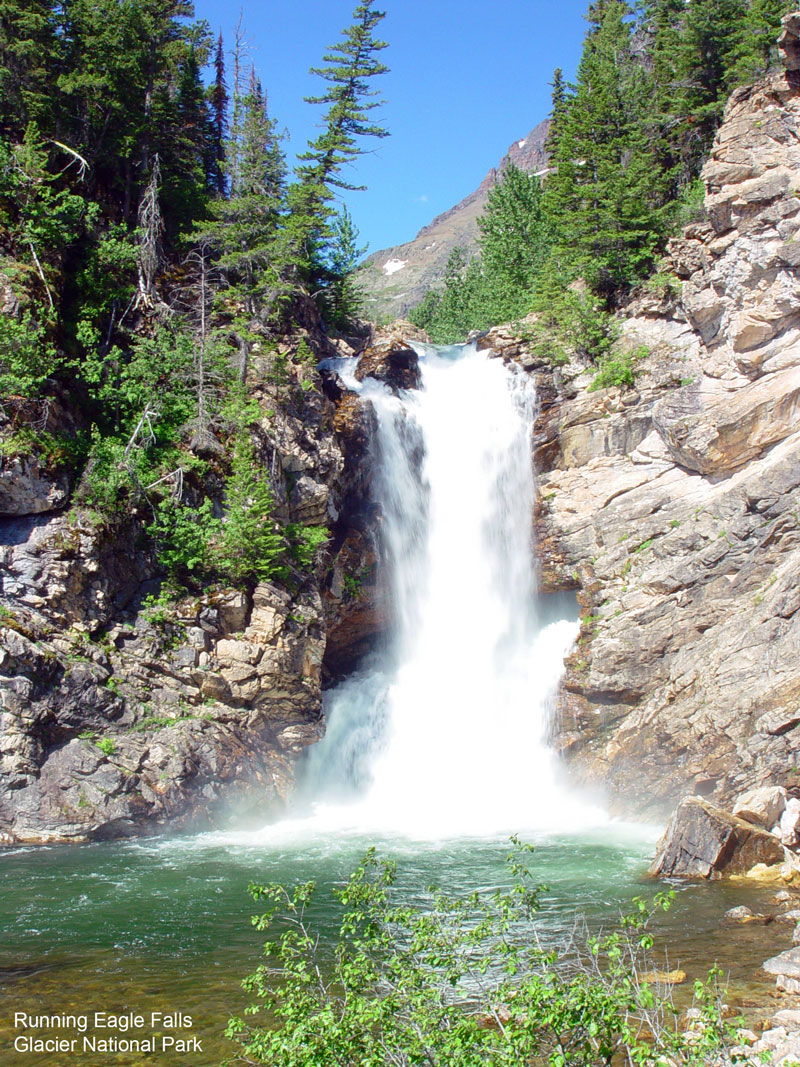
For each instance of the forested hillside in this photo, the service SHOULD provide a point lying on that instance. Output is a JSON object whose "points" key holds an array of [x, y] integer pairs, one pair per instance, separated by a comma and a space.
{"points": [[627, 142], [152, 240]]}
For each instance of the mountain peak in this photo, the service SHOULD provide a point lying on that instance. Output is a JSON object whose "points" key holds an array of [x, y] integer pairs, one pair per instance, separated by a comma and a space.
{"points": [[396, 279]]}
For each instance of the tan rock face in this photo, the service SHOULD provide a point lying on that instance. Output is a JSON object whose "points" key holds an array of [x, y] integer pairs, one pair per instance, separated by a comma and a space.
{"points": [[674, 507]]}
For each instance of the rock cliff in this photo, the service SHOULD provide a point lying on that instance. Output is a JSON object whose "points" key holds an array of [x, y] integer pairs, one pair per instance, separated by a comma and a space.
{"points": [[674, 506], [118, 717]]}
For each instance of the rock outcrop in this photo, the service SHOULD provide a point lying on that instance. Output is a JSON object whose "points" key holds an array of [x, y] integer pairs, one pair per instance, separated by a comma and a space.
{"points": [[673, 506], [121, 716], [703, 841]]}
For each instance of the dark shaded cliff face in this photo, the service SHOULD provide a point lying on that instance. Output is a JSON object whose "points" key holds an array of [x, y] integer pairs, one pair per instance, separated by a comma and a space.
{"points": [[396, 279], [674, 507], [116, 718]]}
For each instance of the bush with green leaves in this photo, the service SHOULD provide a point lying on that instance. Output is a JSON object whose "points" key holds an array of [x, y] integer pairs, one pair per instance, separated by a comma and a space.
{"points": [[304, 541], [251, 545], [617, 368], [460, 982], [183, 537]]}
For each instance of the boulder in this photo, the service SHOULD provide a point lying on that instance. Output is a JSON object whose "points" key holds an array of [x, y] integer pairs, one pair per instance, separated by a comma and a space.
{"points": [[789, 41], [789, 826], [703, 841], [763, 806], [743, 914], [398, 367], [786, 968], [391, 359]]}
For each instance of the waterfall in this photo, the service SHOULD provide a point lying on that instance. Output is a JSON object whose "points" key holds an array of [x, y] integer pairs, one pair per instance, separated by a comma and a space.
{"points": [[446, 735]]}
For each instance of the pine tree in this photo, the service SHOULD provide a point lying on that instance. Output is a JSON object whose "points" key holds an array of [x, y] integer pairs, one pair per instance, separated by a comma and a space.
{"points": [[344, 298], [757, 49], [219, 112], [29, 58], [349, 98], [513, 241], [243, 231], [604, 201], [251, 546], [559, 100], [662, 26], [707, 51]]}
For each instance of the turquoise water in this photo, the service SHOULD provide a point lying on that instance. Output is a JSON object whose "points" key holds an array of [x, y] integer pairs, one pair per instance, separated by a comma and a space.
{"points": [[445, 737], [163, 924]]}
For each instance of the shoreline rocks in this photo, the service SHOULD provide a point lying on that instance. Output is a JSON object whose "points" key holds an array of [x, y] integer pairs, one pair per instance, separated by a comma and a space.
{"points": [[704, 841]]}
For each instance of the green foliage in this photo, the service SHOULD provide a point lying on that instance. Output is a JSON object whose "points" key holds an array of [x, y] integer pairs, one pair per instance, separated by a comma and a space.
{"points": [[146, 397], [106, 746], [449, 315], [497, 286], [349, 101], [352, 585], [303, 353], [28, 357], [159, 608], [458, 982], [577, 317], [250, 545], [617, 368], [243, 229], [183, 536], [321, 246], [342, 296], [603, 199], [514, 241], [304, 541]]}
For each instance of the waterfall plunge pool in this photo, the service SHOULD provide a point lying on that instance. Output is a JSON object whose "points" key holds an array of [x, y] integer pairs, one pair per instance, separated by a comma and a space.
{"points": [[163, 924], [434, 754]]}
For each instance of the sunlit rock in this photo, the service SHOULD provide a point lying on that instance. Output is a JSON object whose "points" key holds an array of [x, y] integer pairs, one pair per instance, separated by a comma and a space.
{"points": [[703, 841]]}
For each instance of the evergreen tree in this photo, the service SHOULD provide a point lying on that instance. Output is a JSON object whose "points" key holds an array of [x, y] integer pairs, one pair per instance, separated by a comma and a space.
{"points": [[243, 231], [460, 306], [344, 298], [349, 99], [558, 108], [251, 546], [707, 52], [219, 112], [757, 50], [513, 241], [603, 199], [662, 27], [29, 59]]}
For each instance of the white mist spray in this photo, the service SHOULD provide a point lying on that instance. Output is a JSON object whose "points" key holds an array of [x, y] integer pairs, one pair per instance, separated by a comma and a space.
{"points": [[450, 738]]}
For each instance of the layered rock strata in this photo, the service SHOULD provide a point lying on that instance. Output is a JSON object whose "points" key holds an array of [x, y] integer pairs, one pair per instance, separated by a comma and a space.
{"points": [[673, 507]]}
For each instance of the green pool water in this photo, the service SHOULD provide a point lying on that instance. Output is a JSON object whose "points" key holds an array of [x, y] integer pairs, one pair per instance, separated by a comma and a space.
{"points": [[163, 924]]}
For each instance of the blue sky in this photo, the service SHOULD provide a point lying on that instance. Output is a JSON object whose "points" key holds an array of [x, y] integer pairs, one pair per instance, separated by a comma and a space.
{"points": [[467, 78]]}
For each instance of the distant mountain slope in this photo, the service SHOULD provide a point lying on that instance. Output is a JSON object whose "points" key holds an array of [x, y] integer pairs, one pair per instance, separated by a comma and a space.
{"points": [[396, 279]]}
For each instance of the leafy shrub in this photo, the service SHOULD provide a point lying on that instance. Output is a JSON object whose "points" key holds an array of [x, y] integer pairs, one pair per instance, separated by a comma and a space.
{"points": [[459, 982], [617, 369], [183, 537], [29, 356], [251, 545], [304, 542]]}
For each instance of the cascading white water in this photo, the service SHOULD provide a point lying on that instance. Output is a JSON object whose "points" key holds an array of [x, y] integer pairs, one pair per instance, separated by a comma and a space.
{"points": [[448, 736]]}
